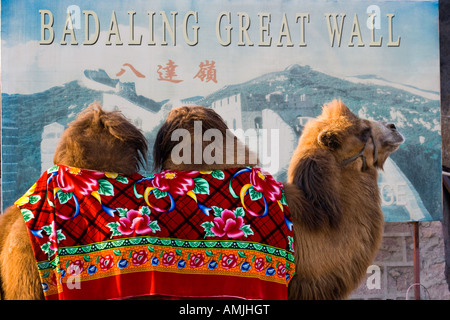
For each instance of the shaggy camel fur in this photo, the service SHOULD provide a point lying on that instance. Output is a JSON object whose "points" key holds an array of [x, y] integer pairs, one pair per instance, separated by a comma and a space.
{"points": [[332, 194], [337, 213], [104, 141]]}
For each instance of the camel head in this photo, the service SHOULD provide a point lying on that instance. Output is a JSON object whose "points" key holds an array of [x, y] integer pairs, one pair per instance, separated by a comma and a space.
{"points": [[101, 140], [357, 143], [336, 147], [197, 138]]}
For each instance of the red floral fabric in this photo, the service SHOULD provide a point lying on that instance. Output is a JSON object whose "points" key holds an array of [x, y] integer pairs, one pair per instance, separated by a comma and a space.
{"points": [[99, 235]]}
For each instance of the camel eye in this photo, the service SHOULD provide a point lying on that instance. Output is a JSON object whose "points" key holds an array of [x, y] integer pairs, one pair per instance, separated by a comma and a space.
{"points": [[391, 126]]}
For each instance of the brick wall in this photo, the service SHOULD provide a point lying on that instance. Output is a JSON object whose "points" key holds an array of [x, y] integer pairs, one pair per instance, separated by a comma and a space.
{"points": [[396, 266]]}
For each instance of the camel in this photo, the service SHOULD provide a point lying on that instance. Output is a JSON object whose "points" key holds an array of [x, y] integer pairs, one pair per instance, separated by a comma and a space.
{"points": [[331, 191], [334, 199], [97, 140]]}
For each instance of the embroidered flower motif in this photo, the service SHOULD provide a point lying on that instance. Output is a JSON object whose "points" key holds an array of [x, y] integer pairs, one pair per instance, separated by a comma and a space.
{"points": [[281, 271], [228, 224], [134, 223], [53, 237], [106, 262], [139, 257], [175, 182], [168, 259], [229, 261], [197, 260], [80, 182], [75, 268], [264, 182], [259, 264]]}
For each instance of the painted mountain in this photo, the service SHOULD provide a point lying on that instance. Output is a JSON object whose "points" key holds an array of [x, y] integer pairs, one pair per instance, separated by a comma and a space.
{"points": [[415, 112]]}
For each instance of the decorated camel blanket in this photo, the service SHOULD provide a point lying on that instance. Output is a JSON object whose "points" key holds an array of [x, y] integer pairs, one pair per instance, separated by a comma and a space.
{"points": [[98, 235]]}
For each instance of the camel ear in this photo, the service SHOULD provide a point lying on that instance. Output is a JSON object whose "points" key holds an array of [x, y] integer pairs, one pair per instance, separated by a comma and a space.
{"points": [[314, 178], [329, 139]]}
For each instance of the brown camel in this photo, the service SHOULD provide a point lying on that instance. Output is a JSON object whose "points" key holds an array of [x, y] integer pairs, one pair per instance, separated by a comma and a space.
{"points": [[98, 140], [335, 203], [331, 191], [338, 228]]}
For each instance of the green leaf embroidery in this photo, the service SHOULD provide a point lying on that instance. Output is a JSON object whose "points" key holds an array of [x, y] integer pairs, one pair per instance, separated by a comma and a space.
{"points": [[145, 210], [257, 246], [243, 245], [154, 226], [217, 211], [34, 199], [291, 243], [46, 248], [242, 254], [178, 252], [135, 241], [47, 229], [113, 226], [226, 244], [118, 243], [209, 253], [247, 230], [87, 258], [218, 174], [166, 242], [239, 212], [270, 249], [159, 194], [122, 212], [117, 252], [151, 249], [254, 195], [27, 214], [72, 250], [207, 226], [63, 196], [269, 259], [105, 187], [210, 244], [122, 179], [179, 243], [101, 245], [201, 186], [283, 199], [60, 236], [194, 244], [53, 169]]}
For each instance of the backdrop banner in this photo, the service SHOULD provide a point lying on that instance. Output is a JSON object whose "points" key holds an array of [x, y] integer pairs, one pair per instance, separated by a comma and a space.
{"points": [[265, 66]]}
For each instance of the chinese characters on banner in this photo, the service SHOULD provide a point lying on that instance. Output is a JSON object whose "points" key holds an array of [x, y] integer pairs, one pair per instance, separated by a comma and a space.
{"points": [[207, 72]]}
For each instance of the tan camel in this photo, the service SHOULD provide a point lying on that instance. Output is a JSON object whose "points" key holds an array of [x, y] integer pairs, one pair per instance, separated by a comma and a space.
{"points": [[105, 141], [332, 193], [336, 209]]}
